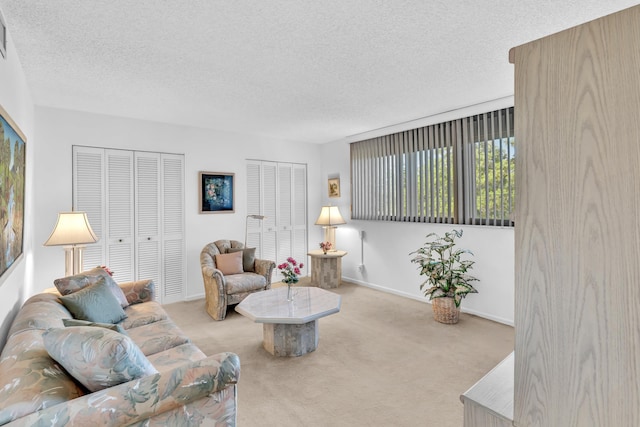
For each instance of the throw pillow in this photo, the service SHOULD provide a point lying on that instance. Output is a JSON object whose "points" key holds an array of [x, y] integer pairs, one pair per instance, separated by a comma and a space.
{"points": [[70, 284], [248, 258], [78, 322], [97, 357], [229, 263], [94, 303]]}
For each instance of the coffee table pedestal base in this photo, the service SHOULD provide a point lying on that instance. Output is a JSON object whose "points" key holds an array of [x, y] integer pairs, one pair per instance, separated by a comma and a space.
{"points": [[282, 339]]}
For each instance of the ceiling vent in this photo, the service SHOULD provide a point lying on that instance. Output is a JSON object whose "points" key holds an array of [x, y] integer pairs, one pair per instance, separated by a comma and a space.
{"points": [[3, 37]]}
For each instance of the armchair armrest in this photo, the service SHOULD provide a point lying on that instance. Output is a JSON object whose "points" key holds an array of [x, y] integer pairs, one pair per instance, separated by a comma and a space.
{"points": [[215, 293], [139, 291], [144, 398], [265, 268]]}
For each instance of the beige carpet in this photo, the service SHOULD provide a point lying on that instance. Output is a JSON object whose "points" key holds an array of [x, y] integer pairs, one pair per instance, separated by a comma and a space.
{"points": [[381, 361]]}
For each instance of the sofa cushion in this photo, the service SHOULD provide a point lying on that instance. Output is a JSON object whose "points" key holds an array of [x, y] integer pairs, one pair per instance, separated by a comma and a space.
{"points": [[78, 322], [230, 263], [97, 357], [39, 314], [30, 380], [95, 303], [158, 336], [143, 314], [245, 282], [248, 258], [70, 284], [176, 356]]}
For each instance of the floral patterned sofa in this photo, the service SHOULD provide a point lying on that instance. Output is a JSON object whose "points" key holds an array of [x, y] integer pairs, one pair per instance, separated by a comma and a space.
{"points": [[180, 386]]}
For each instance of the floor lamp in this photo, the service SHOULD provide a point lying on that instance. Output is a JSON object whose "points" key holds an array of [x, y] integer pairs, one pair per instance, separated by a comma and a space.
{"points": [[246, 225], [328, 219], [72, 232]]}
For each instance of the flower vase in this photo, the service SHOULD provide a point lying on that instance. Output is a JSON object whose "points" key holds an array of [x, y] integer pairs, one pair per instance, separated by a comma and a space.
{"points": [[289, 292]]}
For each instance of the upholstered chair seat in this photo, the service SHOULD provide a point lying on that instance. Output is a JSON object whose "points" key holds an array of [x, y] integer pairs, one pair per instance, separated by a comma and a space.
{"points": [[227, 283]]}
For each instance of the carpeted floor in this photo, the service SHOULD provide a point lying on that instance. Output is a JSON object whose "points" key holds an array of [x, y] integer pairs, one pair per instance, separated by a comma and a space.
{"points": [[381, 361]]}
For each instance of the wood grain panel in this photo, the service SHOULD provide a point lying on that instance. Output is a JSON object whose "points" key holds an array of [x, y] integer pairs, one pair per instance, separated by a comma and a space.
{"points": [[577, 230]]}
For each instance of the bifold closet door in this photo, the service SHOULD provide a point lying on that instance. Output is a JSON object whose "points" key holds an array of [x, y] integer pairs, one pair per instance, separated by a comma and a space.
{"points": [[254, 207], [119, 236], [279, 192], [147, 217], [172, 217], [135, 204], [103, 188], [89, 197]]}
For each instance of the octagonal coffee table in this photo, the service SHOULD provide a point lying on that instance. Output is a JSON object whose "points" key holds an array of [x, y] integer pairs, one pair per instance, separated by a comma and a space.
{"points": [[290, 328]]}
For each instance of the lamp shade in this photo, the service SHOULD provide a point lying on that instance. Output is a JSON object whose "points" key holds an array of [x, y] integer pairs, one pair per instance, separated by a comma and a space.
{"points": [[72, 228], [329, 216]]}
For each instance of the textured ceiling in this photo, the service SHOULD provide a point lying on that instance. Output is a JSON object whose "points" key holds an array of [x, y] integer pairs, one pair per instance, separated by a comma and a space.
{"points": [[311, 71]]}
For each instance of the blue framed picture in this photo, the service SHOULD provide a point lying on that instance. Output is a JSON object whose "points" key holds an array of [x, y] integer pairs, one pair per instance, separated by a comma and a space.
{"points": [[216, 192], [12, 176]]}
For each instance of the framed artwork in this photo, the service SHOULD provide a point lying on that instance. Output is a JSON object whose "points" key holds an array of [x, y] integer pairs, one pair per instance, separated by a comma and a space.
{"points": [[334, 187], [216, 192], [12, 173]]}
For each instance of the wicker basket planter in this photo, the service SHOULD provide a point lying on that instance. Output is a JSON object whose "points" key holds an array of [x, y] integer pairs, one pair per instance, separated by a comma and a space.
{"points": [[445, 310]]}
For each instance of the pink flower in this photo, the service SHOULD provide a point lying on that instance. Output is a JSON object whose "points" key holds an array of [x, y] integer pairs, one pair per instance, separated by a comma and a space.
{"points": [[291, 260], [296, 270], [301, 265]]}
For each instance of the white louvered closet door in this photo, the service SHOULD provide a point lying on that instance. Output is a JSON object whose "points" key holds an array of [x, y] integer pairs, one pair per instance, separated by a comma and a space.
{"points": [[283, 198], [299, 214], [135, 204], [254, 207], [172, 214], [88, 196], [279, 192], [270, 223], [147, 218], [120, 210]]}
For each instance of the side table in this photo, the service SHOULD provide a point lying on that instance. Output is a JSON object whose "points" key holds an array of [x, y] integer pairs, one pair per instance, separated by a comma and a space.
{"points": [[326, 269]]}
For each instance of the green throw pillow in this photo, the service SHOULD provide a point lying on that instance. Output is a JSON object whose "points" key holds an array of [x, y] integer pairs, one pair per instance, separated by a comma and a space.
{"points": [[94, 303], [248, 258], [78, 322], [70, 284], [97, 357]]}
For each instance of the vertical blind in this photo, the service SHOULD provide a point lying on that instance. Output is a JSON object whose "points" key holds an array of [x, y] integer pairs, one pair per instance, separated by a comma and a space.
{"points": [[460, 171]]}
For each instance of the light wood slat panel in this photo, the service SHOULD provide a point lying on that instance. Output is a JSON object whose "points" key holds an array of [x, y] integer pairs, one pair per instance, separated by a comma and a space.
{"points": [[577, 233]]}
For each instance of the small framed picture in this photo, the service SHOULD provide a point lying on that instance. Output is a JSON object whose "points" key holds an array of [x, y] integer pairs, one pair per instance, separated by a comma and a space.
{"points": [[216, 192], [334, 187]]}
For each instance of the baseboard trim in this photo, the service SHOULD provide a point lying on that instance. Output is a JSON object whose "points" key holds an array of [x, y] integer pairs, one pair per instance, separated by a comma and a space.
{"points": [[422, 299], [194, 297]]}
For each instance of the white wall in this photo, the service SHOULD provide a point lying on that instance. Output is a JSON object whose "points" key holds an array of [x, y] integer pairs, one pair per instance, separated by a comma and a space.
{"points": [[15, 98], [384, 252], [205, 150]]}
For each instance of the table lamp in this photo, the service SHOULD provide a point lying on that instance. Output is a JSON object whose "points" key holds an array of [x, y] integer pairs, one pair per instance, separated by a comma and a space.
{"points": [[328, 219], [72, 232]]}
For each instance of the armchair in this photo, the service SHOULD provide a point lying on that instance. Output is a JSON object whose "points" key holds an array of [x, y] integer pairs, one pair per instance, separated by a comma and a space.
{"points": [[223, 290]]}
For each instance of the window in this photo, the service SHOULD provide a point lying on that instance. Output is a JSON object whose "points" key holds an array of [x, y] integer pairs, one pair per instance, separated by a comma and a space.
{"points": [[459, 172]]}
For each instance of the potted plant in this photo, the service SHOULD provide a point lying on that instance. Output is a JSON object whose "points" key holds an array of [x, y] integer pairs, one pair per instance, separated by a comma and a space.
{"points": [[447, 280]]}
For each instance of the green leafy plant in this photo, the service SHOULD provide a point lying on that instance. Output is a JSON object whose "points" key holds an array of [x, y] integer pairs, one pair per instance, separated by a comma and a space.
{"points": [[446, 271]]}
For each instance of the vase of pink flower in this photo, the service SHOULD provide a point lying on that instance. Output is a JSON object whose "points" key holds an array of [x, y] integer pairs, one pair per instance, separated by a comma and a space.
{"points": [[290, 270], [325, 246]]}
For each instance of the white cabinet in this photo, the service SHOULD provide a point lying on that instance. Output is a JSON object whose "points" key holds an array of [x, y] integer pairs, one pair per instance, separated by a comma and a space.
{"points": [[279, 192], [135, 204]]}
